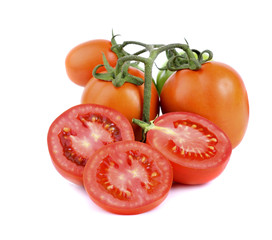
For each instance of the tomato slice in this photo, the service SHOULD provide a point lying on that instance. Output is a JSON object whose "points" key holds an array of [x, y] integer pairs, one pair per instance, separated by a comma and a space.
{"points": [[198, 150], [78, 132], [128, 177]]}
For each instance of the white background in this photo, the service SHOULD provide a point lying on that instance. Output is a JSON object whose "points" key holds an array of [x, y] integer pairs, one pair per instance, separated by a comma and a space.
{"points": [[37, 203]]}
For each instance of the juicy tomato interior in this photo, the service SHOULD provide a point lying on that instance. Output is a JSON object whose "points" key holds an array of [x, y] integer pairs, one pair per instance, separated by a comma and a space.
{"points": [[197, 149], [128, 177], [76, 134]]}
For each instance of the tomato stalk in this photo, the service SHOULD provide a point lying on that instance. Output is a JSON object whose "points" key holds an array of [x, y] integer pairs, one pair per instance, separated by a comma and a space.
{"points": [[119, 75]]}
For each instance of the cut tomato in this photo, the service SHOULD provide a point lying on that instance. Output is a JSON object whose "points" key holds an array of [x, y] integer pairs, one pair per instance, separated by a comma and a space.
{"points": [[197, 149], [78, 132], [128, 177]]}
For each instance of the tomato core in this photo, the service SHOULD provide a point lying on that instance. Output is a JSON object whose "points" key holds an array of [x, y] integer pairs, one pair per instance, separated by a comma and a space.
{"points": [[192, 141], [137, 169], [100, 128]]}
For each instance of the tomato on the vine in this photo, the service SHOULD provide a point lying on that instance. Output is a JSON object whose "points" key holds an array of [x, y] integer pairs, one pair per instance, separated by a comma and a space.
{"points": [[128, 177], [197, 149], [215, 91], [127, 99], [82, 59], [79, 131]]}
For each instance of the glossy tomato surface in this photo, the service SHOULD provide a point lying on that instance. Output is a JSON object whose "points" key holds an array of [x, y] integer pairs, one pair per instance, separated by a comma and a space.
{"points": [[198, 150], [216, 91], [128, 177], [127, 99], [82, 59], [78, 132]]}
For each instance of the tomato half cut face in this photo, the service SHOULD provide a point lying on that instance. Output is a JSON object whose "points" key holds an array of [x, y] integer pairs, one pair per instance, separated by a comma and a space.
{"points": [[78, 132], [198, 150], [128, 177]]}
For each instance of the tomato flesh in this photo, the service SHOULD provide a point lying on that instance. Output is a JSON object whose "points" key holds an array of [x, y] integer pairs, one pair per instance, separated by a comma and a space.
{"points": [[198, 150], [77, 133], [128, 177]]}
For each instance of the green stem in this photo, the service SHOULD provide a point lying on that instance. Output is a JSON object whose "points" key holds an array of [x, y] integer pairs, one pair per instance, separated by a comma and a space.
{"points": [[145, 126], [147, 90], [121, 61]]}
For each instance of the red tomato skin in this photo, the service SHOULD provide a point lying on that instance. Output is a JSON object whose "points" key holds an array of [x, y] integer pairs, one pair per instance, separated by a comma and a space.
{"points": [[192, 176], [83, 58], [67, 169], [127, 99], [199, 173], [135, 211], [216, 92], [126, 210]]}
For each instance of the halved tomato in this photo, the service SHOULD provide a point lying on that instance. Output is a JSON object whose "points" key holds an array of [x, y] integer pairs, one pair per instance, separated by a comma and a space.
{"points": [[128, 177], [78, 132], [198, 150]]}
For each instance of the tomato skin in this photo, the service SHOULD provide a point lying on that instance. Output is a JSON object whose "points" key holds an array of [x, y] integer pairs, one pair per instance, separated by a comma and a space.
{"points": [[114, 178], [197, 137], [127, 99], [216, 92], [82, 59], [69, 121]]}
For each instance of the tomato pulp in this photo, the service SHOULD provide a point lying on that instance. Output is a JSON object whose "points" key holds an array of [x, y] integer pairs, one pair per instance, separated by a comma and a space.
{"points": [[78, 132], [127, 177], [198, 150]]}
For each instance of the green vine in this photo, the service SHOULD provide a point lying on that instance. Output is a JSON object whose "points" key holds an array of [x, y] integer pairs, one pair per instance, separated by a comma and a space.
{"points": [[189, 59]]}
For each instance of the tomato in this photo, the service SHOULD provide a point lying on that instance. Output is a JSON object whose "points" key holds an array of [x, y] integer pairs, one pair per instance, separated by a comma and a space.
{"points": [[215, 91], [127, 177], [127, 99], [197, 149], [82, 59], [78, 132]]}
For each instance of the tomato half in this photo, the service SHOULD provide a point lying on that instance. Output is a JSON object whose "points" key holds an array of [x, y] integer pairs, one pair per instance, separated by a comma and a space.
{"points": [[128, 177], [82, 59], [127, 99], [78, 132], [215, 91], [198, 150]]}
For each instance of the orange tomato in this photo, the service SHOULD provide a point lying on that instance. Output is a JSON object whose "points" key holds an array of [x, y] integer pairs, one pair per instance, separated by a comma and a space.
{"points": [[82, 59], [215, 91], [127, 99]]}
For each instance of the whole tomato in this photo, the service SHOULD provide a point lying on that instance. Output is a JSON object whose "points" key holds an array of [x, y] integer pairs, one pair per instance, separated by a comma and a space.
{"points": [[82, 59], [127, 99], [215, 91]]}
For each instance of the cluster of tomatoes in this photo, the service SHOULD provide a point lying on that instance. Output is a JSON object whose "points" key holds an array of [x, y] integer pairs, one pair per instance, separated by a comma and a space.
{"points": [[95, 143]]}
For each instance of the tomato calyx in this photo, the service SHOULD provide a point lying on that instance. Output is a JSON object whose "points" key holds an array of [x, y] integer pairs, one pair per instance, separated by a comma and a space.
{"points": [[117, 79], [180, 60]]}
